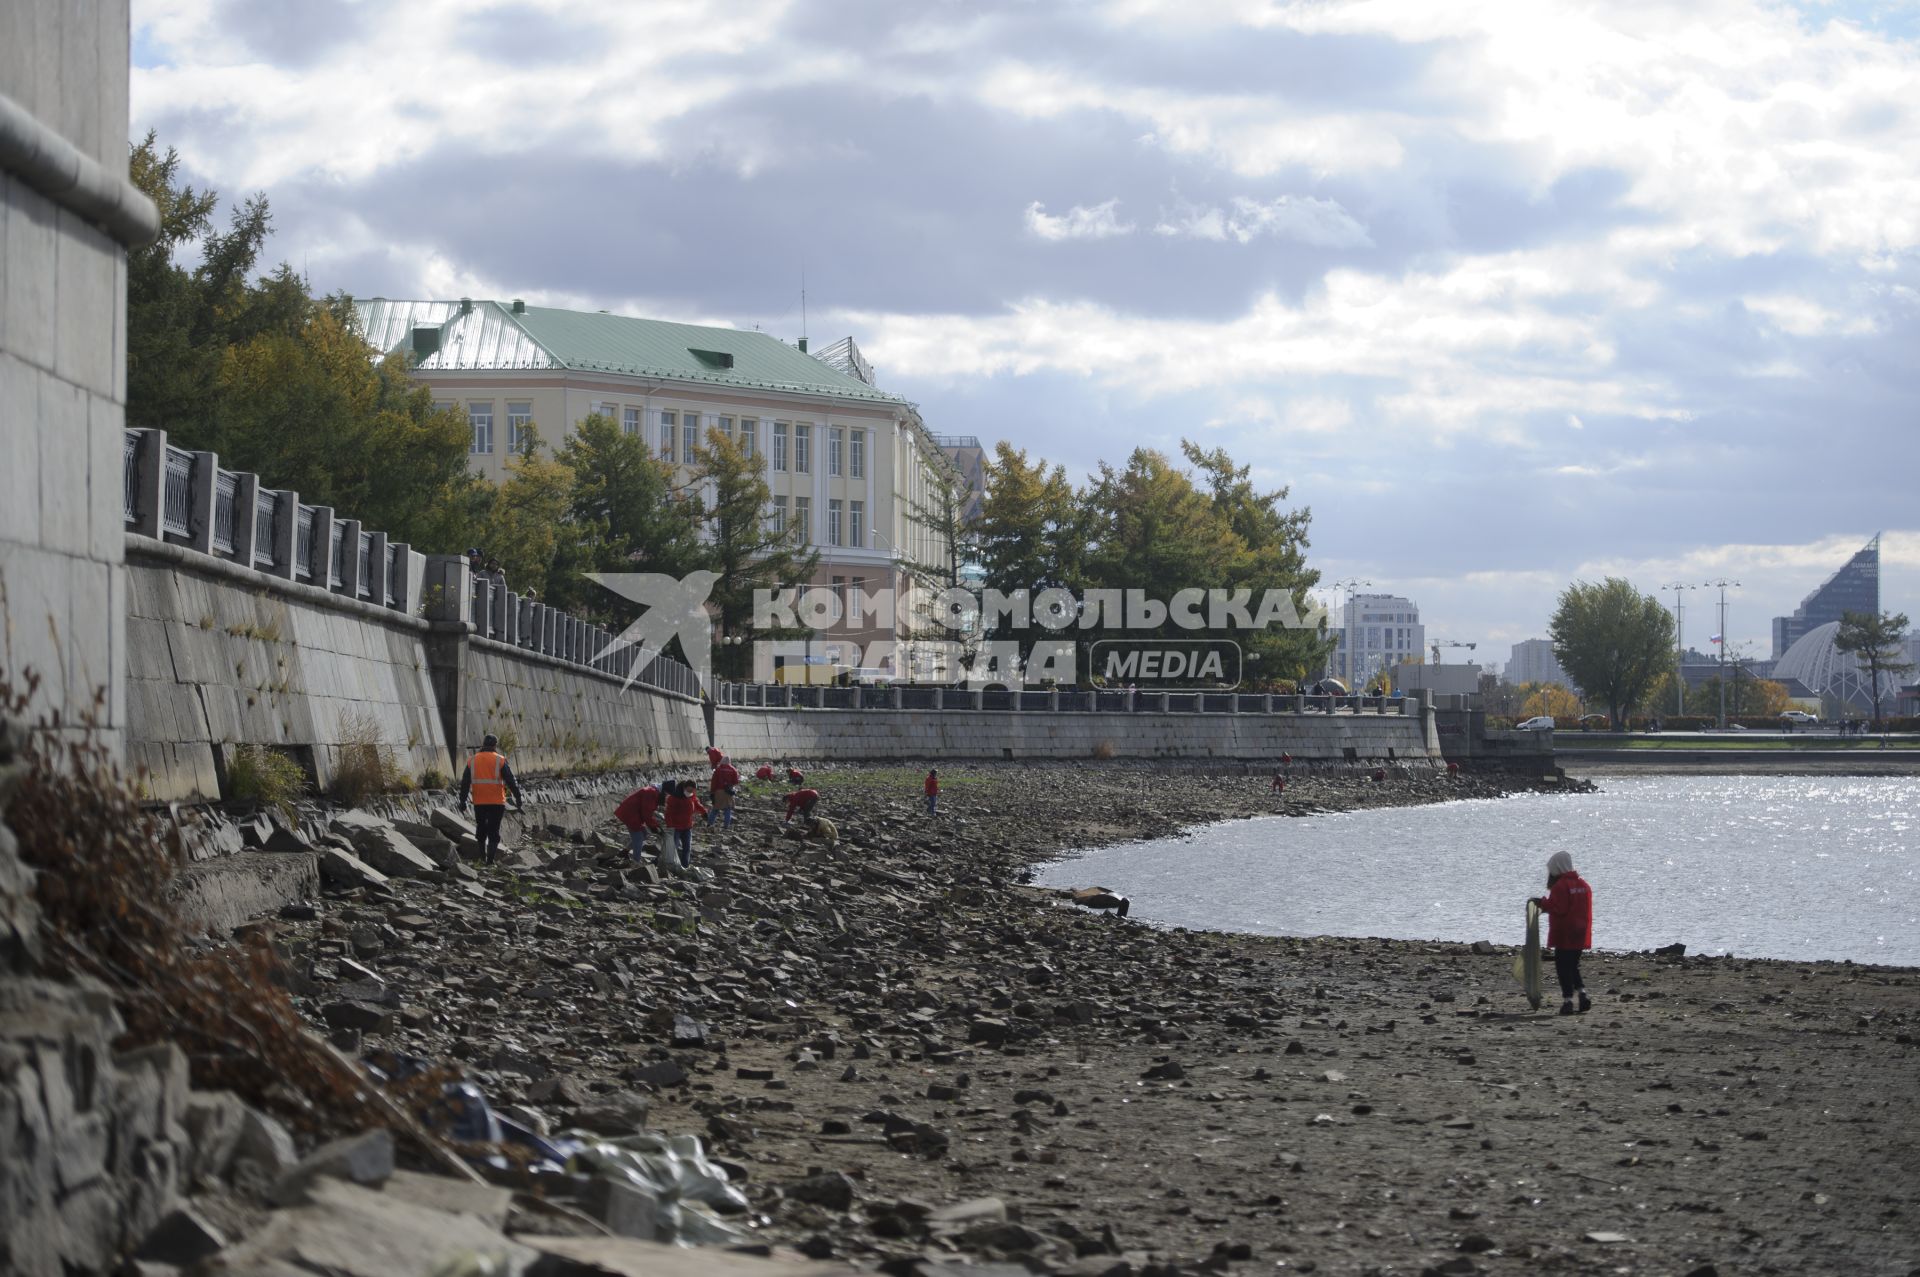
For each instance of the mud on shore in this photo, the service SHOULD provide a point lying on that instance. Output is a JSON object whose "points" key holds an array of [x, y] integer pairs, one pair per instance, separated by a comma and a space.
{"points": [[871, 1033]]}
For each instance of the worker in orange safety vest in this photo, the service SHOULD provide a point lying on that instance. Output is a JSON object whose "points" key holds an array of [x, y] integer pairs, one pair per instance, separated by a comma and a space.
{"points": [[488, 780]]}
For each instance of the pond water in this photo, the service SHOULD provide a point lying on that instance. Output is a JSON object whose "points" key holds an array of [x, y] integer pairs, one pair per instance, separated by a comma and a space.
{"points": [[1807, 867]]}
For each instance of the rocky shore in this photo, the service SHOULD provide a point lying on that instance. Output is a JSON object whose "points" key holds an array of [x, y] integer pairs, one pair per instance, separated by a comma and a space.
{"points": [[908, 1058]]}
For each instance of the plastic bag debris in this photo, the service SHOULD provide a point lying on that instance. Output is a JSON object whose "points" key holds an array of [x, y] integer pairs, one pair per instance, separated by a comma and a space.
{"points": [[675, 1172]]}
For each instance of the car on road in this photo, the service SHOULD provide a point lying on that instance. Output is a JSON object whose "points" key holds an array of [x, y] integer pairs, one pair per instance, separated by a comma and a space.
{"points": [[1798, 717], [1595, 722], [1539, 723]]}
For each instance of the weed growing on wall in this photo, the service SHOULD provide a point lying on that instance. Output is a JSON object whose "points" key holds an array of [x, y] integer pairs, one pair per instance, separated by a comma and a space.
{"points": [[265, 776], [363, 765]]}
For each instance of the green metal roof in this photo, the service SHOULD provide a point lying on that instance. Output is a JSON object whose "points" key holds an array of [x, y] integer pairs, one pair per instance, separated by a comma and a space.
{"points": [[492, 335]]}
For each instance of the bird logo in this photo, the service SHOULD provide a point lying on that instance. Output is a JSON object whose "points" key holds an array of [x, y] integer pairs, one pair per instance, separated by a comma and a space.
{"points": [[675, 607]]}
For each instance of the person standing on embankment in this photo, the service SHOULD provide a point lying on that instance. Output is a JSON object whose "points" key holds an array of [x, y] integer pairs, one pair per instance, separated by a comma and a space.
{"points": [[487, 780], [639, 812], [1568, 905]]}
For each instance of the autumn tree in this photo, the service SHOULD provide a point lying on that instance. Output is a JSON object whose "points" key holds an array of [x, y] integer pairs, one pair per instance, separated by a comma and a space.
{"points": [[1878, 642], [743, 547], [1550, 700], [528, 520], [627, 517], [1612, 641]]}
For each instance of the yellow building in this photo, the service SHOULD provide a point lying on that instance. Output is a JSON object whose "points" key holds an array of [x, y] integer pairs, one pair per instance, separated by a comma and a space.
{"points": [[850, 463]]}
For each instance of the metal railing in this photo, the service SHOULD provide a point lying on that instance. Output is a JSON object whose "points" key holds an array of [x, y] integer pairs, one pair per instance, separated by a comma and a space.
{"points": [[266, 509], [363, 584], [176, 505], [226, 486], [957, 696], [303, 542], [131, 473]]}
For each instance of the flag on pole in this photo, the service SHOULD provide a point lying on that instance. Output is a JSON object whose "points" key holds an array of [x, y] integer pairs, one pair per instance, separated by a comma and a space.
{"points": [[1714, 639]]}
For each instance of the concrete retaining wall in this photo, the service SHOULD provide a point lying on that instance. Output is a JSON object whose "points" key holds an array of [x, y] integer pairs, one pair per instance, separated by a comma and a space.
{"points": [[556, 716], [875, 734], [221, 656]]}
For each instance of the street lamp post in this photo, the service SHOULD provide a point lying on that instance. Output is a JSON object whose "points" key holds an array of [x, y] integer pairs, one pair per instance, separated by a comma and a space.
{"points": [[1679, 649], [1347, 627], [1722, 585]]}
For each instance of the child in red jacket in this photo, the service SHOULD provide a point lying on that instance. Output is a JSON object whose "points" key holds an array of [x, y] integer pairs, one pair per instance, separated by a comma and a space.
{"points": [[933, 790], [683, 804], [1568, 905]]}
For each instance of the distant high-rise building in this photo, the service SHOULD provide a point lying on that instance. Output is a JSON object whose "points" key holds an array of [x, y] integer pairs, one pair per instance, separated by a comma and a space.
{"points": [[1533, 661], [1854, 588], [1378, 630], [969, 457]]}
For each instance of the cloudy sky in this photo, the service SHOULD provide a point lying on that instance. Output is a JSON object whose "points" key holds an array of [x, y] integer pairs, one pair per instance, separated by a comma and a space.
{"points": [[1508, 293]]}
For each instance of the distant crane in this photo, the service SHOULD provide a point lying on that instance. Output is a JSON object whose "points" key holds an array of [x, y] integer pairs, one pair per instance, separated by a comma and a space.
{"points": [[1440, 643]]}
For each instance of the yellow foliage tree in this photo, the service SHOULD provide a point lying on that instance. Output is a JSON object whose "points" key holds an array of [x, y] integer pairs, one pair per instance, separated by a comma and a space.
{"points": [[1550, 700]]}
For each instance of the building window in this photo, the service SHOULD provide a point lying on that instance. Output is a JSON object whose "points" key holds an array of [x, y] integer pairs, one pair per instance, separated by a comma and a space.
{"points": [[856, 523], [749, 436], [480, 417], [519, 423], [610, 411], [835, 438], [857, 458], [779, 515], [779, 445], [726, 426], [833, 522], [856, 588], [803, 518], [630, 421], [668, 421], [689, 435], [802, 446]]}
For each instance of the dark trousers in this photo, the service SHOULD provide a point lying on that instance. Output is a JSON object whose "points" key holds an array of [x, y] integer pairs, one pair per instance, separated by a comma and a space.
{"points": [[1566, 965], [683, 842], [486, 823]]}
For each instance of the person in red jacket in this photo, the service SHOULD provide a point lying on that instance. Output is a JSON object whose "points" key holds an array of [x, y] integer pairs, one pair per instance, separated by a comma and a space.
{"points": [[714, 755], [765, 772], [683, 804], [726, 777], [1568, 905], [640, 813], [802, 801], [933, 790], [794, 777]]}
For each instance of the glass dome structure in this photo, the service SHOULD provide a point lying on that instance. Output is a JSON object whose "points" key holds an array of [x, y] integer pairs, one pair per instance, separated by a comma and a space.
{"points": [[1827, 671]]}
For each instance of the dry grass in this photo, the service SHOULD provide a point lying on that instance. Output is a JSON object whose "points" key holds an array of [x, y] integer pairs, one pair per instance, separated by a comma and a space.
{"points": [[1104, 750], [265, 776], [364, 766], [105, 865]]}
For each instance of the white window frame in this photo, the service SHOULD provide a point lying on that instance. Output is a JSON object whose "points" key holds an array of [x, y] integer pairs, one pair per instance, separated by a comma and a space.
{"points": [[856, 524], [689, 436], [780, 446], [857, 455], [836, 521], [749, 436], [803, 447], [631, 421], [480, 422], [517, 421], [803, 515], [779, 519], [836, 449], [669, 424]]}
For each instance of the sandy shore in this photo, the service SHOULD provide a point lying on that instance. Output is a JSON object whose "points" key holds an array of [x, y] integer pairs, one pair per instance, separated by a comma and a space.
{"points": [[904, 1013]]}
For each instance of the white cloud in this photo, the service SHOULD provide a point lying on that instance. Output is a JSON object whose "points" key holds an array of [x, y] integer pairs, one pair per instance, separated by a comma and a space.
{"points": [[1302, 218], [1804, 317], [1099, 221]]}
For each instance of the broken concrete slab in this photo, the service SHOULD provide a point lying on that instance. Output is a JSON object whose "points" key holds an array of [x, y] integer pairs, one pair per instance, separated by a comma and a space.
{"points": [[483, 1202], [366, 1158], [344, 869], [221, 894], [627, 1257], [350, 1231]]}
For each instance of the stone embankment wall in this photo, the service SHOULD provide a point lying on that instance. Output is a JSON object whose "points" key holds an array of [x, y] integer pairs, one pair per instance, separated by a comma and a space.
{"points": [[853, 735], [220, 656]]}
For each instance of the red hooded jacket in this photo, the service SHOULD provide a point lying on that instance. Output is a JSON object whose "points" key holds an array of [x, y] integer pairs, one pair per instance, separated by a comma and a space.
{"points": [[1569, 910], [725, 776], [714, 756], [933, 784], [638, 810], [800, 798], [682, 808], [765, 772]]}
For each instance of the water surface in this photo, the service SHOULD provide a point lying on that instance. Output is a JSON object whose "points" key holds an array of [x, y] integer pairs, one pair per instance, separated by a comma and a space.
{"points": [[1809, 867]]}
